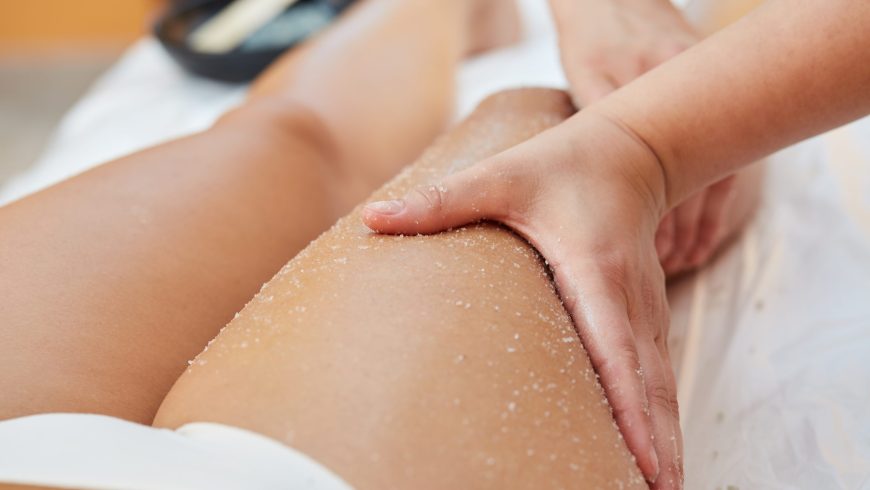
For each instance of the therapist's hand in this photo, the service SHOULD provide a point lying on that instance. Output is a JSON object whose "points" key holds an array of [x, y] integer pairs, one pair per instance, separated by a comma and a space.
{"points": [[606, 44], [689, 235], [589, 197]]}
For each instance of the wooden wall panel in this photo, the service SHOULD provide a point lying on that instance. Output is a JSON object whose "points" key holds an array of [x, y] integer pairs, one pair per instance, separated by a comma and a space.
{"points": [[55, 22]]}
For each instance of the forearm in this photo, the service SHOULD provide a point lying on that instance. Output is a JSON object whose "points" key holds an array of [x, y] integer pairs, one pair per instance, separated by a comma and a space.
{"points": [[787, 71]]}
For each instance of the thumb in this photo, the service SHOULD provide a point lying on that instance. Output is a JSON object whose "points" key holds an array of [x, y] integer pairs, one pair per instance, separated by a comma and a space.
{"points": [[479, 192]]}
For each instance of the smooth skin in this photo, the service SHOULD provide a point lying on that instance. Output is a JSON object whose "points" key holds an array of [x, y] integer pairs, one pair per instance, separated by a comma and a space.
{"points": [[590, 193], [113, 280]]}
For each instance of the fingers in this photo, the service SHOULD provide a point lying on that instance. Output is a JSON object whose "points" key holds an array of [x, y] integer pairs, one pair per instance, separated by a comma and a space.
{"points": [[600, 314], [712, 221], [686, 218], [487, 190], [665, 237], [664, 413]]}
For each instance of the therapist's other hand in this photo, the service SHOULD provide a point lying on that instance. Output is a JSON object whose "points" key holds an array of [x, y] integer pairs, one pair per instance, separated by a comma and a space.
{"points": [[606, 44], [691, 232], [589, 196]]}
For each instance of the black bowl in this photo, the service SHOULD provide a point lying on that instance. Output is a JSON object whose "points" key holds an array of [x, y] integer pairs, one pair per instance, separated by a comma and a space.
{"points": [[244, 63]]}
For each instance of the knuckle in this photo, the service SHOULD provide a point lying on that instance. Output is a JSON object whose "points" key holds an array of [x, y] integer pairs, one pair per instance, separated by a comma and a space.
{"points": [[432, 196], [613, 265], [662, 397], [653, 311]]}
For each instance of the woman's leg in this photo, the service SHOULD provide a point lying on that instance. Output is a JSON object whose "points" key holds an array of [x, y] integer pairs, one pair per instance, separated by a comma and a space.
{"points": [[112, 280], [442, 361]]}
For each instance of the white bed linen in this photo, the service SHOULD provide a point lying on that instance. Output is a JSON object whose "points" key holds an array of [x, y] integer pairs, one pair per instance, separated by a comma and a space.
{"points": [[771, 342]]}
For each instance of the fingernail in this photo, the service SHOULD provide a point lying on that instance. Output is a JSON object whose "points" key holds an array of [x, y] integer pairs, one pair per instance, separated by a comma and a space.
{"points": [[386, 207], [655, 462]]}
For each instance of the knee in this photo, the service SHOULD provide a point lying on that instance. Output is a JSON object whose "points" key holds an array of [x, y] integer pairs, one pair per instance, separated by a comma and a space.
{"points": [[284, 121]]}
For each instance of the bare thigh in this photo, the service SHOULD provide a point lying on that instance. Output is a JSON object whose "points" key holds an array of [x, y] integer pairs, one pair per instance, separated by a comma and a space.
{"points": [[443, 361]]}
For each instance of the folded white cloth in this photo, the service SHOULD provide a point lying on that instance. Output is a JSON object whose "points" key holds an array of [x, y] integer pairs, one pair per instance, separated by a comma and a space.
{"points": [[96, 452]]}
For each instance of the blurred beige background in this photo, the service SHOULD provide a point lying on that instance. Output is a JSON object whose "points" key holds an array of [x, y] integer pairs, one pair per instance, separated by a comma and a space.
{"points": [[50, 53]]}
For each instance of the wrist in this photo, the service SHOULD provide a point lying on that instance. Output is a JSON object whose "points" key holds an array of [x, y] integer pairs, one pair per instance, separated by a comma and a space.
{"points": [[629, 160]]}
